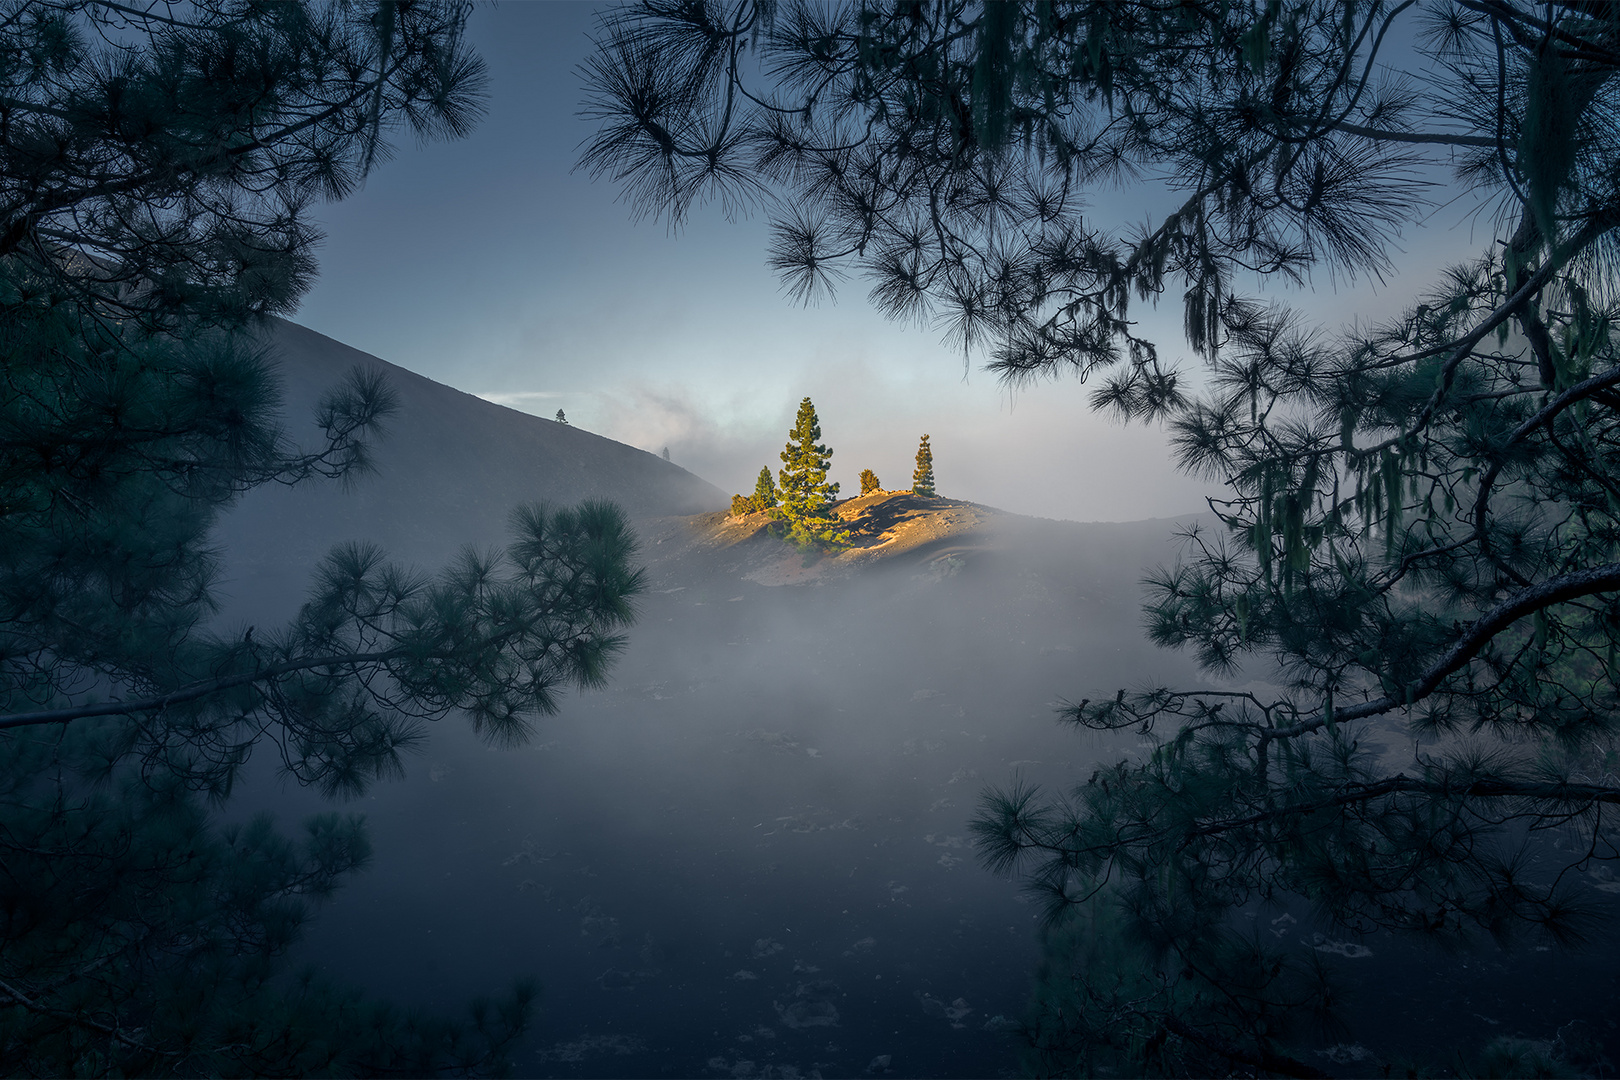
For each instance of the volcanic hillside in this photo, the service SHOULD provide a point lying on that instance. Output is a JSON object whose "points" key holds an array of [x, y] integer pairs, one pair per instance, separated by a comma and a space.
{"points": [[450, 468]]}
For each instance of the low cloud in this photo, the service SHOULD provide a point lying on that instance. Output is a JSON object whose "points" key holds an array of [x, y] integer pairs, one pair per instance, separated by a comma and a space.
{"points": [[522, 399], [712, 438]]}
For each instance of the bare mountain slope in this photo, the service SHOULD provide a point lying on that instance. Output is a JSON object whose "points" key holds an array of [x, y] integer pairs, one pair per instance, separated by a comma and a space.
{"points": [[449, 471]]}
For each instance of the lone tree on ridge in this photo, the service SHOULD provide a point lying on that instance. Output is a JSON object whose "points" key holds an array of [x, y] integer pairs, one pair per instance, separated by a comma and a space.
{"points": [[869, 482]]}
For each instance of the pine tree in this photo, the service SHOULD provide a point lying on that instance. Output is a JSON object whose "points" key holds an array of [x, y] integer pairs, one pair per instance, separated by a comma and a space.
{"points": [[1417, 539], [806, 495], [561, 418], [805, 492], [922, 480], [741, 506], [157, 163], [869, 482], [764, 491]]}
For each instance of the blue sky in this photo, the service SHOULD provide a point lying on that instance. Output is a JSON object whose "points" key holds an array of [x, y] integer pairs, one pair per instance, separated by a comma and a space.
{"points": [[489, 265]]}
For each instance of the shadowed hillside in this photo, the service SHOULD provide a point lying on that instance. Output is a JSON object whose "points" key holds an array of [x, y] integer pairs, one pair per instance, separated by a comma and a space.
{"points": [[449, 471]]}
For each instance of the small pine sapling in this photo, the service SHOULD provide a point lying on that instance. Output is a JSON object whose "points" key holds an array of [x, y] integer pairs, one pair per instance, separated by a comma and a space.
{"points": [[764, 490], [869, 482]]}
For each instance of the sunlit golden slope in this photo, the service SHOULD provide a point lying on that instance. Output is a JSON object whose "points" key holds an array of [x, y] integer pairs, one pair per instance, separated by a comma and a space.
{"points": [[891, 529]]}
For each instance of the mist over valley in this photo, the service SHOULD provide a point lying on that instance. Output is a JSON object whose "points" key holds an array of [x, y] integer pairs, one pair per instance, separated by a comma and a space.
{"points": [[749, 853], [761, 822]]}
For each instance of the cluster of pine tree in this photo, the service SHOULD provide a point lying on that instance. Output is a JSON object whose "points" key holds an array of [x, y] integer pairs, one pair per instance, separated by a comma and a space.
{"points": [[922, 479], [803, 502], [764, 497]]}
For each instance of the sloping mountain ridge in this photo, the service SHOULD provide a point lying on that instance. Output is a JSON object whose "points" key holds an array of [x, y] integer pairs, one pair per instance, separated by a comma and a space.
{"points": [[450, 468]]}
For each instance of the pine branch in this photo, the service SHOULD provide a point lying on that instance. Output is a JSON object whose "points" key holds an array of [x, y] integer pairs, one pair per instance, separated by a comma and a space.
{"points": [[1558, 590], [17, 230], [1463, 347], [1543, 417], [1581, 795], [1419, 138], [81, 1020], [206, 687]]}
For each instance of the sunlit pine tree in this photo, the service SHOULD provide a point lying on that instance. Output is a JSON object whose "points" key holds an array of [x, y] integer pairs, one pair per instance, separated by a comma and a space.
{"points": [[806, 494]]}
